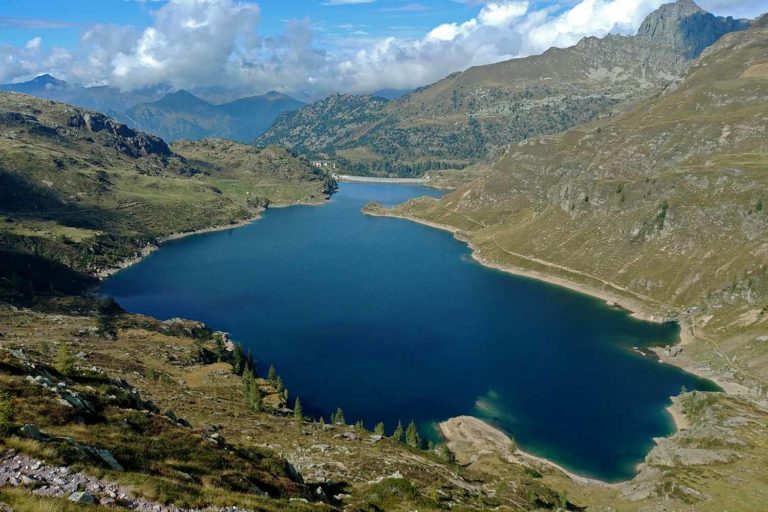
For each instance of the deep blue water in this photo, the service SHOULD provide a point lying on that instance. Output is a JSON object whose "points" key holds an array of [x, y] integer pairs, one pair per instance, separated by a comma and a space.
{"points": [[393, 320]]}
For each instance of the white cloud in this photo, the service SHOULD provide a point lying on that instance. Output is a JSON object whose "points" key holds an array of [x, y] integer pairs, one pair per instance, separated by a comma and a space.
{"points": [[34, 43], [192, 42], [503, 29], [500, 14]]}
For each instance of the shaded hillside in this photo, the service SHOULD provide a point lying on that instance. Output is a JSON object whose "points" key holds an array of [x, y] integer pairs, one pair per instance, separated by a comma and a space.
{"points": [[182, 115], [663, 206], [462, 118], [85, 191]]}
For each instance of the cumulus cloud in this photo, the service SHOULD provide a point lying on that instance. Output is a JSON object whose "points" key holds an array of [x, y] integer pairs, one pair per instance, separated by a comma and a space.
{"points": [[34, 43], [503, 29], [192, 42], [200, 43]]}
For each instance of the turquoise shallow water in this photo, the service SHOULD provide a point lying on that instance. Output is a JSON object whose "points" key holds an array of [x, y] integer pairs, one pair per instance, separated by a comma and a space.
{"points": [[393, 320]]}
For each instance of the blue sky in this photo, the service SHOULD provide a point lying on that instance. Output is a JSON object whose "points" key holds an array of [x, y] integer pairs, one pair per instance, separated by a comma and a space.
{"points": [[306, 46], [62, 22]]}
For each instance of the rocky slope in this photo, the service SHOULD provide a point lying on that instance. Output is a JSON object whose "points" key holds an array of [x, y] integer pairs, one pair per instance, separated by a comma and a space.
{"points": [[464, 117]]}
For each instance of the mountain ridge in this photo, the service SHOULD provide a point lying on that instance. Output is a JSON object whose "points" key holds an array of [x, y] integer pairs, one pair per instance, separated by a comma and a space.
{"points": [[466, 116]]}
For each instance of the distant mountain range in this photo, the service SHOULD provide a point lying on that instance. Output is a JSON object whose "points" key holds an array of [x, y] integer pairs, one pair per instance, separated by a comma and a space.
{"points": [[182, 115], [454, 122], [101, 98], [466, 116], [170, 115]]}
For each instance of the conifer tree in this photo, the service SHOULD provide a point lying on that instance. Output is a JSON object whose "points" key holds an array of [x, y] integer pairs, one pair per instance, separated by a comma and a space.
{"points": [[247, 381], [238, 364], [254, 398], [272, 374], [219, 347], [397, 435], [338, 417], [298, 411], [250, 362], [321, 422], [279, 386], [444, 452], [412, 437], [379, 428], [359, 425], [64, 361]]}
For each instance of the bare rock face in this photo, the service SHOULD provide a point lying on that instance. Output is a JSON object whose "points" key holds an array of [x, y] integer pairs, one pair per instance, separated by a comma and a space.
{"points": [[686, 28], [131, 142]]}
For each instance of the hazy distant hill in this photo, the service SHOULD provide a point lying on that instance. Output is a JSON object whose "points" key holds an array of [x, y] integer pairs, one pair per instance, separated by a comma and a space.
{"points": [[182, 115], [101, 98], [463, 117]]}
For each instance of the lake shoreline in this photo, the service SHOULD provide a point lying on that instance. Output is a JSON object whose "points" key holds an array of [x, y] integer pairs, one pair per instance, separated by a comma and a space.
{"points": [[152, 247], [469, 437], [632, 307]]}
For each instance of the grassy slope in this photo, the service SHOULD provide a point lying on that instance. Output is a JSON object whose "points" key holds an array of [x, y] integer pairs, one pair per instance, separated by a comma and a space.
{"points": [[250, 175]]}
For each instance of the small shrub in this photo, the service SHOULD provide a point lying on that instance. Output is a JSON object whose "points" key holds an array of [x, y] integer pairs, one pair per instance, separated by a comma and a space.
{"points": [[65, 363], [6, 413]]}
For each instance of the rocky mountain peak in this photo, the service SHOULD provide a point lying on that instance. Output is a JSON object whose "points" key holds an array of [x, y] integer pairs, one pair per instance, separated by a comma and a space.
{"points": [[686, 28], [48, 81], [181, 99]]}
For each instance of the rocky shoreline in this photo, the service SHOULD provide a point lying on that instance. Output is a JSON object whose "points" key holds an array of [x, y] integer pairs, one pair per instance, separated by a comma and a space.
{"points": [[666, 355], [149, 249]]}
